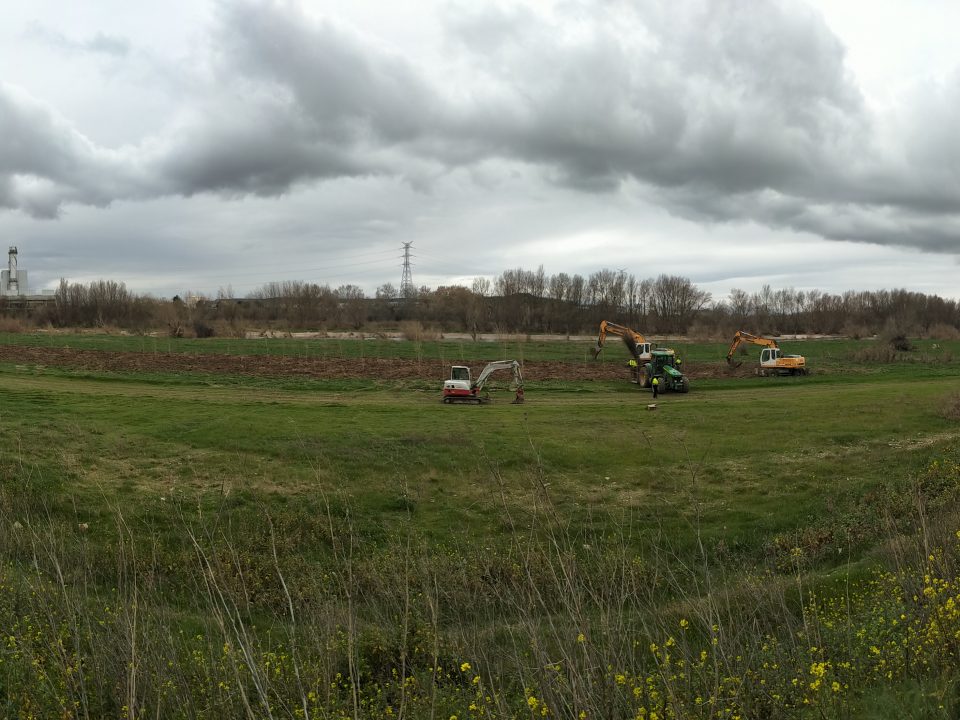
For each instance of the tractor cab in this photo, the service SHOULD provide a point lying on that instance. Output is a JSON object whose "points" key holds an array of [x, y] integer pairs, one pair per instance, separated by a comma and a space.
{"points": [[662, 358], [662, 366]]}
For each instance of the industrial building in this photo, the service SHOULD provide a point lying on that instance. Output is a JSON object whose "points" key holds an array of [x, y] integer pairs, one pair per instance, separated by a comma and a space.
{"points": [[14, 290], [13, 282]]}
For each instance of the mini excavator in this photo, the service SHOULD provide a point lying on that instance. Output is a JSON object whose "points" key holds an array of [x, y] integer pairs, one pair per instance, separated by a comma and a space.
{"points": [[461, 388]]}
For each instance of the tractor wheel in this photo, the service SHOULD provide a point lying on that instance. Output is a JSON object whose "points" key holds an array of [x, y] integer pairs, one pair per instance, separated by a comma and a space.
{"points": [[683, 386]]}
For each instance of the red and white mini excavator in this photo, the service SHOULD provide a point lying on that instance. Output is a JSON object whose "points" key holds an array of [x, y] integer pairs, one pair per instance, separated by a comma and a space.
{"points": [[462, 388]]}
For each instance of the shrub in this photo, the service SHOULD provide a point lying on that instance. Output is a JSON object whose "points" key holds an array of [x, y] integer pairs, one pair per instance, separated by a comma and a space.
{"points": [[900, 343], [855, 331], [202, 330], [943, 331], [414, 330], [227, 328], [12, 325], [702, 332]]}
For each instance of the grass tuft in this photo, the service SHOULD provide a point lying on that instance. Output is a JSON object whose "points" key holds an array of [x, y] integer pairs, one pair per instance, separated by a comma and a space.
{"points": [[951, 407]]}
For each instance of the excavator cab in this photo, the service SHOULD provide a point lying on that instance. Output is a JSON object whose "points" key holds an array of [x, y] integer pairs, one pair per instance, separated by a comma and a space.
{"points": [[769, 355], [460, 372]]}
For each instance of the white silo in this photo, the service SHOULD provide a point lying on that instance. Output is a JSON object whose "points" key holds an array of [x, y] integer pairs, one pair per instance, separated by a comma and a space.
{"points": [[12, 280]]}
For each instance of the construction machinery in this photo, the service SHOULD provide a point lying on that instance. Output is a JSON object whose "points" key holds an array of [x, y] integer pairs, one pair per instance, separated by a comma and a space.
{"points": [[461, 388], [662, 365], [647, 363], [635, 342], [772, 360]]}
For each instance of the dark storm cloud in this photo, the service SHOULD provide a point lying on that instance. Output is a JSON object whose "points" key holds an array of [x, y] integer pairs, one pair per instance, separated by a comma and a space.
{"points": [[45, 163], [260, 149], [297, 100], [725, 112], [713, 92], [720, 110], [347, 88]]}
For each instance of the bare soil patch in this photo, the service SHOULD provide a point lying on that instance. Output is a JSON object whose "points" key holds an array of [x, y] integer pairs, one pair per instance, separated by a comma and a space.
{"points": [[319, 368]]}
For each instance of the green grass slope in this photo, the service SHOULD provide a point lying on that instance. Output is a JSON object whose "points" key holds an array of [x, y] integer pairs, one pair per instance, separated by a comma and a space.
{"points": [[185, 546]]}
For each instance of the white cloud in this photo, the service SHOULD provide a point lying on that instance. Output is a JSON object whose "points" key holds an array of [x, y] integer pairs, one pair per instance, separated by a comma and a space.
{"points": [[520, 129]]}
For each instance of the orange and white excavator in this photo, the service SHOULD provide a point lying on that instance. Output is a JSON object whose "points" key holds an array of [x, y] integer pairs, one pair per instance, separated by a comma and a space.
{"points": [[461, 388], [636, 343], [772, 360]]}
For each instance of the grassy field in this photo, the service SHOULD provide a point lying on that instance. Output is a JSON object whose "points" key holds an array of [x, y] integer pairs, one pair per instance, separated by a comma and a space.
{"points": [[408, 539], [828, 354]]}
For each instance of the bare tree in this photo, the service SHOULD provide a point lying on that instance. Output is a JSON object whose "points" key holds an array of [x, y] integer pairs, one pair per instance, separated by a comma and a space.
{"points": [[352, 305], [739, 304], [481, 286], [538, 283], [559, 286], [676, 302], [387, 292]]}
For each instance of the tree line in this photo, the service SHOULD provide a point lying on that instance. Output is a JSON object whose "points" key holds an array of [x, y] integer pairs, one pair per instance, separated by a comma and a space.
{"points": [[517, 301]]}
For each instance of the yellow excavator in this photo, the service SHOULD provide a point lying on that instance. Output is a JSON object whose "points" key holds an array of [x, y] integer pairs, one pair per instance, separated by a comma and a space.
{"points": [[635, 342], [649, 362], [772, 360]]}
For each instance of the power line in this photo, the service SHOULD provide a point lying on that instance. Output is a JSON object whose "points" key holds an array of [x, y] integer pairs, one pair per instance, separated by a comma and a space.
{"points": [[274, 269], [302, 269], [381, 255]]}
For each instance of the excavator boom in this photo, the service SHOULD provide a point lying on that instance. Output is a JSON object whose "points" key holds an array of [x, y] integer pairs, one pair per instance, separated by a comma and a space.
{"points": [[636, 343], [745, 337], [499, 365]]}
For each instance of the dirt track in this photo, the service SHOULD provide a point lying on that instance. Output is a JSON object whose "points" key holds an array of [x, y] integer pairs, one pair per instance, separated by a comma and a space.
{"points": [[285, 366]]}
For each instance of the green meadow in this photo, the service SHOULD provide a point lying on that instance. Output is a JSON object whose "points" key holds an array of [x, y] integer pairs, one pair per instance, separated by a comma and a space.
{"points": [[184, 545]]}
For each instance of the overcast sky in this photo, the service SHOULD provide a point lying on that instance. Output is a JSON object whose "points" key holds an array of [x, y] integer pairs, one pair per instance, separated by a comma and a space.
{"points": [[200, 144]]}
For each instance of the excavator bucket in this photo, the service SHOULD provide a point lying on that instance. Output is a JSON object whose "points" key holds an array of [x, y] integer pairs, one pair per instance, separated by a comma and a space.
{"points": [[518, 400], [733, 363]]}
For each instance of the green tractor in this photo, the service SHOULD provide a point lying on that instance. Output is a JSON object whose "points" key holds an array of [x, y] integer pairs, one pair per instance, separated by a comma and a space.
{"points": [[661, 365]]}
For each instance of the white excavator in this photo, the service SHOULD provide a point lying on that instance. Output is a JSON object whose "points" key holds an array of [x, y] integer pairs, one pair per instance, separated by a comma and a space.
{"points": [[461, 388]]}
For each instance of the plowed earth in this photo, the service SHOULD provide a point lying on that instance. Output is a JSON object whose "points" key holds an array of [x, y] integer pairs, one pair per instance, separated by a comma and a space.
{"points": [[319, 368]]}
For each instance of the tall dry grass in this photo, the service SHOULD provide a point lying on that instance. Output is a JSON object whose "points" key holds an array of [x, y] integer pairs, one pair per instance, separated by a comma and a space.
{"points": [[12, 325], [942, 331], [416, 331], [216, 616]]}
